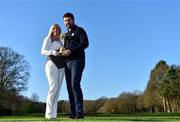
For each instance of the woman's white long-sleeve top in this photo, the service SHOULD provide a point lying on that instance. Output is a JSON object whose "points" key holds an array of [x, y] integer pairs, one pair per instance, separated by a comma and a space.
{"points": [[49, 47]]}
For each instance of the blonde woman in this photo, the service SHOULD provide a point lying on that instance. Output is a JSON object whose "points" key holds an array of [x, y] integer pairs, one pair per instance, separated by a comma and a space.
{"points": [[54, 69]]}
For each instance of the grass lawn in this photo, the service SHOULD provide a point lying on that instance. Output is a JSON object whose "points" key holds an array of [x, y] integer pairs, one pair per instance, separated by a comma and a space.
{"points": [[164, 117]]}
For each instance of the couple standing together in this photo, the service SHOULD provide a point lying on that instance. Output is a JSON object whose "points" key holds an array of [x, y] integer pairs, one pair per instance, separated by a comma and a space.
{"points": [[70, 62]]}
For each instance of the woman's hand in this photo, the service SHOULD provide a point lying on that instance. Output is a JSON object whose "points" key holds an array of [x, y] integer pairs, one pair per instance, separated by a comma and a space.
{"points": [[55, 53]]}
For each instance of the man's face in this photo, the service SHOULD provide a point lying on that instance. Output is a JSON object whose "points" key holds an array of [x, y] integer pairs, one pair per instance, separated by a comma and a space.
{"points": [[69, 22]]}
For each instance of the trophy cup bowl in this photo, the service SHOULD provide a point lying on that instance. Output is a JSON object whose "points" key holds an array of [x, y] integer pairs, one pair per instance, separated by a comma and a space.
{"points": [[62, 37], [61, 50]]}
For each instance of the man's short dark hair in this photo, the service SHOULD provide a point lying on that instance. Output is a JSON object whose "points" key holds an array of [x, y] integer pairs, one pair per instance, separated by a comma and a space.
{"points": [[68, 15]]}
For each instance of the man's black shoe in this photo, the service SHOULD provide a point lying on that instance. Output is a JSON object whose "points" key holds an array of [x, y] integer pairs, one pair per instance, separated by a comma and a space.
{"points": [[79, 117]]}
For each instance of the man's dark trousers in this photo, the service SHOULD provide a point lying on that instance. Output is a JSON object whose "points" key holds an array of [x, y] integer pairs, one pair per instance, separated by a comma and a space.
{"points": [[73, 74]]}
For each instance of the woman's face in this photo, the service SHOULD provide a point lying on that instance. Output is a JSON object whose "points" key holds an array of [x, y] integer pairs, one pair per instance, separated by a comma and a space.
{"points": [[55, 31]]}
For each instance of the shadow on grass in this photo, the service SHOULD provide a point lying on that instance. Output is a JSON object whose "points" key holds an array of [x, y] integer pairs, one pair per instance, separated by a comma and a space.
{"points": [[97, 117]]}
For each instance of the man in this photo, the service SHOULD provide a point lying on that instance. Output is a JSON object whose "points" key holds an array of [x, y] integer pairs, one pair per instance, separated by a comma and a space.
{"points": [[75, 42]]}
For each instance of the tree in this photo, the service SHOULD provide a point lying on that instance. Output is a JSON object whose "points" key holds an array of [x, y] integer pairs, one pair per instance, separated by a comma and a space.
{"points": [[140, 103], [14, 74], [35, 97], [63, 106], [110, 106], [127, 102], [14, 71], [90, 106], [152, 98], [170, 89]]}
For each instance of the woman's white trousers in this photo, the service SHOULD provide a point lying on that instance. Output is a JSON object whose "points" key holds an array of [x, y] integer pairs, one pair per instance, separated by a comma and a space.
{"points": [[55, 78]]}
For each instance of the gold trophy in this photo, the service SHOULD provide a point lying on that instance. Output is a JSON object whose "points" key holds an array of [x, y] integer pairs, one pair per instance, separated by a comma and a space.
{"points": [[61, 50], [62, 37]]}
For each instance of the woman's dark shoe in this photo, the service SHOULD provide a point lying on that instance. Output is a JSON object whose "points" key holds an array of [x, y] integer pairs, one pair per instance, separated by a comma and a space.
{"points": [[72, 117]]}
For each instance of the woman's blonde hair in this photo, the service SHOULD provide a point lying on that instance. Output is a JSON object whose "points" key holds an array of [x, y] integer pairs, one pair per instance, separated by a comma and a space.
{"points": [[51, 28]]}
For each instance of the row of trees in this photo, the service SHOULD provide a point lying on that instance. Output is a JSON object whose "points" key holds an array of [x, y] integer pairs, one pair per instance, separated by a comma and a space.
{"points": [[162, 93], [163, 89]]}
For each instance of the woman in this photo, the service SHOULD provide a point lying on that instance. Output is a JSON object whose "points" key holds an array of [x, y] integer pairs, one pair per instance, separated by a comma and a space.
{"points": [[54, 69]]}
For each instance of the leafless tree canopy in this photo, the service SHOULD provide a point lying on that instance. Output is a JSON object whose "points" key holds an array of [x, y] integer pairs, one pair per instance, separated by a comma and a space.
{"points": [[14, 71]]}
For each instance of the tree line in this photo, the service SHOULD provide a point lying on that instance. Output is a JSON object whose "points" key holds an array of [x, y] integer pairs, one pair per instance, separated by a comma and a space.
{"points": [[162, 93]]}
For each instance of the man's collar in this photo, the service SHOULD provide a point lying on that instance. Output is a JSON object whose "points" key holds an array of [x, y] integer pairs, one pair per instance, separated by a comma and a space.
{"points": [[74, 27]]}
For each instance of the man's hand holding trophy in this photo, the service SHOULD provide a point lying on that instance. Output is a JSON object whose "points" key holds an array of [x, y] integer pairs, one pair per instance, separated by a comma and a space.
{"points": [[64, 52]]}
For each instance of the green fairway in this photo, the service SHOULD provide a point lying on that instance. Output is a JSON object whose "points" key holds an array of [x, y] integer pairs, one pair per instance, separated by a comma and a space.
{"points": [[98, 118]]}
